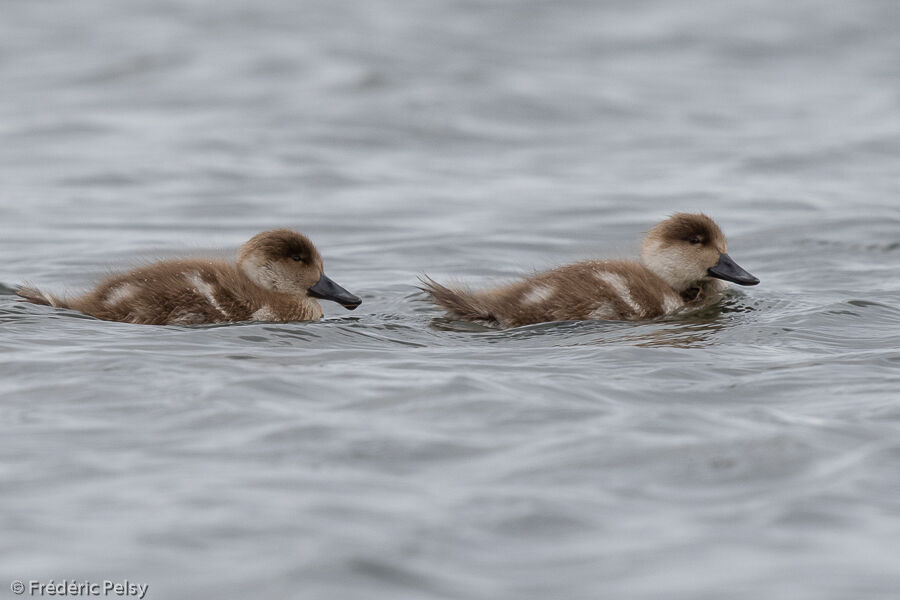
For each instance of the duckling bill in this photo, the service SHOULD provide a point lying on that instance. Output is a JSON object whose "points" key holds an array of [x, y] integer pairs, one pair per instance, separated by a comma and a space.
{"points": [[684, 263], [278, 277]]}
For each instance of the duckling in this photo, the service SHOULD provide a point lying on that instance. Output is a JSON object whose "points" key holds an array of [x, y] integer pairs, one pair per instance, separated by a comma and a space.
{"points": [[278, 278], [684, 263]]}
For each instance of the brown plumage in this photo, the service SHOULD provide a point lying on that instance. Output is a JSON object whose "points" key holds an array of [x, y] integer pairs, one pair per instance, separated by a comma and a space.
{"points": [[277, 277], [683, 263]]}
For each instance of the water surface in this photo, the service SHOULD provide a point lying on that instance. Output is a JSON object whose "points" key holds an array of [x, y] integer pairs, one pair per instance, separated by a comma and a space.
{"points": [[748, 451]]}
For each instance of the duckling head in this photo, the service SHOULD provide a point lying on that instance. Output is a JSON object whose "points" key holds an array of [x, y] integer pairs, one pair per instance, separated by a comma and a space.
{"points": [[689, 251], [285, 261]]}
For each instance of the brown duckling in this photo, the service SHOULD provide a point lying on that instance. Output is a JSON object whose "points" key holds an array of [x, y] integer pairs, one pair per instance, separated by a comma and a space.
{"points": [[278, 277], [684, 263]]}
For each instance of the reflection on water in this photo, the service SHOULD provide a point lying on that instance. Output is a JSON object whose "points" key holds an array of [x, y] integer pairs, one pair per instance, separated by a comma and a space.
{"points": [[685, 336]]}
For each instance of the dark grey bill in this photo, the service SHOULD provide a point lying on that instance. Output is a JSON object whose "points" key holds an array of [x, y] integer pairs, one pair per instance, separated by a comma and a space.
{"points": [[729, 270], [326, 289]]}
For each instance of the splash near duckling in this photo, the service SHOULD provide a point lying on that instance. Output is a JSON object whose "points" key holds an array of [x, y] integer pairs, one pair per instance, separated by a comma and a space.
{"points": [[278, 277], [684, 263]]}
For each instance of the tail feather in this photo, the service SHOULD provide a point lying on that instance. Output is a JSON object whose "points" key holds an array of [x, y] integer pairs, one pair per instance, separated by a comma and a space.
{"points": [[36, 296], [459, 303]]}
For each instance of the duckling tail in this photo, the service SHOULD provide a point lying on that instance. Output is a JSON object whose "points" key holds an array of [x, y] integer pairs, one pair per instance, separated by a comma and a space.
{"points": [[38, 297], [460, 304]]}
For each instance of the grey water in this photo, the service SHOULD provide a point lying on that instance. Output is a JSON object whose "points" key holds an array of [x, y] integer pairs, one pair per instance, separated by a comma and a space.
{"points": [[747, 451]]}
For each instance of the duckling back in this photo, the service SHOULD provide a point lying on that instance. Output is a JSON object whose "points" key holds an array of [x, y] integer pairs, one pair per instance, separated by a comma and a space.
{"points": [[615, 290]]}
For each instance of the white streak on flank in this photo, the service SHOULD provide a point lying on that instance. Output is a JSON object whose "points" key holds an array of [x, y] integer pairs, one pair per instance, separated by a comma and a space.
{"points": [[538, 294], [671, 303], [604, 311], [205, 290], [121, 293], [263, 314], [620, 287], [187, 318]]}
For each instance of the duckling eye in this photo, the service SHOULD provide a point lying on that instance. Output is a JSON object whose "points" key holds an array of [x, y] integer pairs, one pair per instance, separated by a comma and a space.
{"points": [[296, 257], [696, 239]]}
